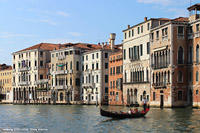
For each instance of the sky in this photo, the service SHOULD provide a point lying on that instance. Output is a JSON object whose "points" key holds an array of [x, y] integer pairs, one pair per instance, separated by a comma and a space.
{"points": [[25, 23]]}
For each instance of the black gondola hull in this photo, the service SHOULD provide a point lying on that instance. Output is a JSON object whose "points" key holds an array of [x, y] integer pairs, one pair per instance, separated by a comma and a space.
{"points": [[123, 115]]}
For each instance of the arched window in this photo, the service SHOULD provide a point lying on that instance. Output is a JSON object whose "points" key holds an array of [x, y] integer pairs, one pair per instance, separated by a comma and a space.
{"points": [[180, 77], [197, 76], [197, 54], [180, 55], [61, 96]]}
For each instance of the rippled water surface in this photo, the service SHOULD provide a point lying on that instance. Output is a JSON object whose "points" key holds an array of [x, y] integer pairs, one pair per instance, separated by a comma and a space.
{"points": [[77, 118]]}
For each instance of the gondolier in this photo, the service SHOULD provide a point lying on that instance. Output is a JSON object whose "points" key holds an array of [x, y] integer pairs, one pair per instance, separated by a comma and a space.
{"points": [[144, 101]]}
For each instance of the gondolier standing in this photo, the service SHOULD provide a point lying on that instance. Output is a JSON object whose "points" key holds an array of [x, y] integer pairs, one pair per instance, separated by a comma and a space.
{"points": [[144, 101]]}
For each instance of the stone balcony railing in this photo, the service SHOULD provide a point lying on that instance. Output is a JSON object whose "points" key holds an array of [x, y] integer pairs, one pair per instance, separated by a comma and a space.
{"points": [[197, 34], [62, 57], [42, 81], [24, 69], [61, 87], [61, 72], [13, 84], [89, 85], [24, 83]]}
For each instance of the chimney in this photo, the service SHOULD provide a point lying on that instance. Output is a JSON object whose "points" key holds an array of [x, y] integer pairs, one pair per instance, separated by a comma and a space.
{"points": [[99, 43], [145, 19], [102, 44], [112, 40], [106, 43], [109, 41], [128, 26]]}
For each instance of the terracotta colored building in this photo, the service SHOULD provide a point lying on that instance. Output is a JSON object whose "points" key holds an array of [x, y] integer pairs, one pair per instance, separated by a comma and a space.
{"points": [[169, 77], [115, 78], [193, 54]]}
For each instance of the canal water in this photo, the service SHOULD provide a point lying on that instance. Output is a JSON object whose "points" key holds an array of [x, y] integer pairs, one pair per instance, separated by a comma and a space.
{"points": [[78, 118]]}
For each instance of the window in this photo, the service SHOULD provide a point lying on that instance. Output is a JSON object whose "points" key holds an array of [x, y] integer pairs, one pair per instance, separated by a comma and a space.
{"points": [[86, 57], [70, 52], [97, 55], [82, 58], [190, 76], [129, 33], [113, 84], [180, 77], [56, 54], [41, 76], [180, 95], [66, 53], [138, 30], [197, 54], [118, 70], [148, 26], [77, 81], [180, 30], [66, 66], [124, 54], [197, 76], [106, 55], [197, 27], [86, 67], [41, 63], [197, 92], [70, 80], [97, 78], [106, 78], [113, 70], [132, 32], [97, 66], [92, 56], [154, 96], [110, 71], [180, 55], [152, 36], [125, 35], [92, 66], [106, 89], [70, 65], [35, 63], [77, 66], [141, 50], [140, 97], [106, 65], [41, 53], [52, 55], [148, 48], [142, 29], [157, 35], [190, 55]]}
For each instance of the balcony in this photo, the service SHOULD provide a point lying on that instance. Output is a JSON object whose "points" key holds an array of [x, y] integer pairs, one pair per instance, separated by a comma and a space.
{"points": [[13, 84], [197, 34], [61, 72], [181, 62], [134, 58], [160, 65], [164, 38], [24, 69], [190, 36], [136, 82], [180, 36], [89, 85], [62, 57], [42, 81], [61, 87], [159, 85], [70, 71], [24, 83]]}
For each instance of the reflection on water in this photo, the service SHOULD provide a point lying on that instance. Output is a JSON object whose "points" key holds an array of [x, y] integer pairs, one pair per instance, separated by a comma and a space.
{"points": [[77, 118]]}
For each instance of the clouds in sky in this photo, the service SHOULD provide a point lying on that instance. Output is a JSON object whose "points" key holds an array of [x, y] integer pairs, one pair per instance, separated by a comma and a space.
{"points": [[13, 35], [165, 2], [75, 34]]}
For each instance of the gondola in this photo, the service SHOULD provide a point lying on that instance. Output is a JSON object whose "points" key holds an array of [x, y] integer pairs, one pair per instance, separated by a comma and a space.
{"points": [[122, 115]]}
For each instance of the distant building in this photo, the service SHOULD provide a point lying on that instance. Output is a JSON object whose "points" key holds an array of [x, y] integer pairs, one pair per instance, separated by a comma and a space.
{"points": [[116, 78], [6, 95], [30, 73]]}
